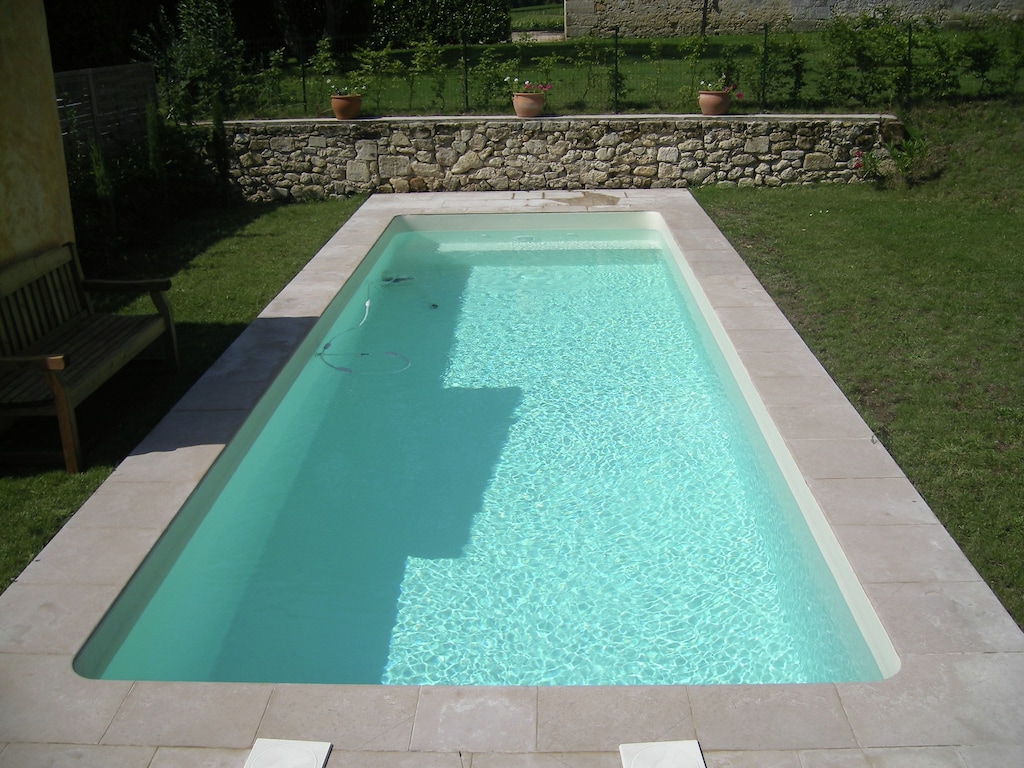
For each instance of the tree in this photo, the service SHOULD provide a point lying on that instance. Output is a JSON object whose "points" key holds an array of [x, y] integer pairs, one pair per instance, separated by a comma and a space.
{"points": [[198, 61]]}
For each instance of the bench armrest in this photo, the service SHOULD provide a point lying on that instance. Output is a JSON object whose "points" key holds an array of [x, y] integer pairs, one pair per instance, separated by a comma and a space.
{"points": [[127, 286], [36, 362]]}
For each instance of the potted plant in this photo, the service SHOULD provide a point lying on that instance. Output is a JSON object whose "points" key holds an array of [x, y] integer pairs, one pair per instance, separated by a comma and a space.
{"points": [[714, 96], [527, 97], [345, 101]]}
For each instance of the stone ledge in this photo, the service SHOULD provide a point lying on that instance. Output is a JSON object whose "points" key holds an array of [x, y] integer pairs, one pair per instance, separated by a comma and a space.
{"points": [[318, 158]]}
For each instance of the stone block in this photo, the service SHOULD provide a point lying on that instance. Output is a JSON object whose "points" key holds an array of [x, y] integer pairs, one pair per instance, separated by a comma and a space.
{"points": [[468, 162], [757, 145], [366, 149], [668, 155], [391, 166], [818, 161], [669, 171], [425, 169], [357, 170]]}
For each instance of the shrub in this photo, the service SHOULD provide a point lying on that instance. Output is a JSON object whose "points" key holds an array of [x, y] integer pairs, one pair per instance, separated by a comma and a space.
{"points": [[198, 62]]}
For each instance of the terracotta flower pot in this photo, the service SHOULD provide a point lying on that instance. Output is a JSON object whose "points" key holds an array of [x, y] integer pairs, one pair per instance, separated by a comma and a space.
{"points": [[528, 104], [346, 107], [714, 102]]}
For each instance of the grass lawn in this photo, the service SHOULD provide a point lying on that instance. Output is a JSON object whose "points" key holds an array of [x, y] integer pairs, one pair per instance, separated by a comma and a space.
{"points": [[911, 298]]}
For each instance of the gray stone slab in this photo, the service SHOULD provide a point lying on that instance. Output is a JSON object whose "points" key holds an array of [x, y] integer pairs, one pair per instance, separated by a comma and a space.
{"points": [[941, 699], [767, 340], [547, 760], [573, 719], [992, 756], [843, 457], [51, 618], [342, 759], [871, 501], [787, 364], [161, 461], [901, 553], [43, 701], [215, 393], [752, 318], [352, 717], [915, 757], [834, 758], [737, 289], [819, 421], [752, 759], [187, 757], [86, 555], [190, 714], [75, 756], [946, 617], [798, 391], [770, 717], [140, 504], [476, 719]]}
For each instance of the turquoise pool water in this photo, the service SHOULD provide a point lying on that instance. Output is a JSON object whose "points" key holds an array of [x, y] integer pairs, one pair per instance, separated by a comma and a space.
{"points": [[503, 457]]}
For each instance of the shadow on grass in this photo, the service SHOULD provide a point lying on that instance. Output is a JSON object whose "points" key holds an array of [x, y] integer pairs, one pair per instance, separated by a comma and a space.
{"points": [[116, 417], [175, 249]]}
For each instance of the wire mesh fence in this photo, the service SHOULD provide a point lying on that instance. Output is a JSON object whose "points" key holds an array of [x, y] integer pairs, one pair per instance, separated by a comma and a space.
{"points": [[872, 63]]}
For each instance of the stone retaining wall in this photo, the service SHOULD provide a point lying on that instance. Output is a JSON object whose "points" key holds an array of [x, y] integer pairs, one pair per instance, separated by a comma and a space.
{"points": [[311, 159]]}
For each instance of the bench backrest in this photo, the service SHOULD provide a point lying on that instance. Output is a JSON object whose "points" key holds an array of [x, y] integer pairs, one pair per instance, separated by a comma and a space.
{"points": [[39, 294]]}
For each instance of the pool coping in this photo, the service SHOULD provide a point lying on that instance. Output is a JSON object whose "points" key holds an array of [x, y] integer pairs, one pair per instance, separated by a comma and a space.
{"points": [[958, 699]]}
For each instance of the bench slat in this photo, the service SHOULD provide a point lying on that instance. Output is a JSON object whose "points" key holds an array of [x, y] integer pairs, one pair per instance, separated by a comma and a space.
{"points": [[96, 348], [44, 311], [25, 270]]}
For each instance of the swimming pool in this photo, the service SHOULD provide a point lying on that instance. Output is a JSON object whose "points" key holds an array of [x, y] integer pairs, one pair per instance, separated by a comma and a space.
{"points": [[524, 405]]}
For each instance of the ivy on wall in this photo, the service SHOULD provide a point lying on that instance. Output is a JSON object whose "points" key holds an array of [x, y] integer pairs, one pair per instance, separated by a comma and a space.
{"points": [[402, 22]]}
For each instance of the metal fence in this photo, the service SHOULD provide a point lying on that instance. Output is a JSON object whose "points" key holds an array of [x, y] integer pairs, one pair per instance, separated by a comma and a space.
{"points": [[105, 105]]}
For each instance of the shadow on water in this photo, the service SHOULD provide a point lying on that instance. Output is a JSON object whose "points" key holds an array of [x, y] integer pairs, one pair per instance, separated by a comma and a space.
{"points": [[395, 466], [374, 461]]}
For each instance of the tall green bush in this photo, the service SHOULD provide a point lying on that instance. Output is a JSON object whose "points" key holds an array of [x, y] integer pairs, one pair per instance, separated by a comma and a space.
{"points": [[864, 58], [198, 61]]}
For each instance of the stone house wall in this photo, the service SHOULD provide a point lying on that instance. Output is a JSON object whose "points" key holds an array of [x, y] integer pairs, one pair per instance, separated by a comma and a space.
{"points": [[671, 18], [311, 159]]}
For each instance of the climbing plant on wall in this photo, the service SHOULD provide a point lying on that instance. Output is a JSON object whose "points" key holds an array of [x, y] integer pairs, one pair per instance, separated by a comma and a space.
{"points": [[402, 22]]}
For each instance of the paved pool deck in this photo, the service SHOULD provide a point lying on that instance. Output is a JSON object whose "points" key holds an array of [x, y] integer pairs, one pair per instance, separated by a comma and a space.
{"points": [[957, 700]]}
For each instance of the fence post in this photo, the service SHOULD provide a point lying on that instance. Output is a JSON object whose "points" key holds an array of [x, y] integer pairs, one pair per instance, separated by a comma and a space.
{"points": [[465, 74], [764, 70], [908, 65], [615, 77], [305, 100]]}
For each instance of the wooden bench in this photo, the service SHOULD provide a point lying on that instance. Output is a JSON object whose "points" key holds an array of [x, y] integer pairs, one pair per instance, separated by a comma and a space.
{"points": [[55, 350]]}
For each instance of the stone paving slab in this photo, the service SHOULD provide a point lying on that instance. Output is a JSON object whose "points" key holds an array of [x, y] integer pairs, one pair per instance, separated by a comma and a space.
{"points": [[956, 698]]}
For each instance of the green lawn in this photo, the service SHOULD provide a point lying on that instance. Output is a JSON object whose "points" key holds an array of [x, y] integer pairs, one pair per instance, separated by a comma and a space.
{"points": [[546, 17], [910, 297]]}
